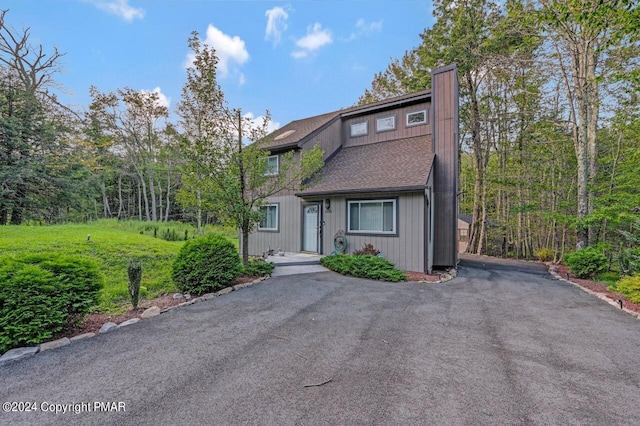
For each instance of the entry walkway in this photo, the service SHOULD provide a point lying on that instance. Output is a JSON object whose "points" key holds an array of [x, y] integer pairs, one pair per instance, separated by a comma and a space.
{"points": [[296, 263]]}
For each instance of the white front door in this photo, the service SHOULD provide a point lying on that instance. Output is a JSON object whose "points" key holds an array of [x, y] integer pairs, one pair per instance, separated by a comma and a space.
{"points": [[311, 228]]}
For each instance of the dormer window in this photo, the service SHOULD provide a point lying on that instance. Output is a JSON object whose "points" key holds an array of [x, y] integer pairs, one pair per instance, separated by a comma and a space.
{"points": [[417, 117], [273, 166], [359, 129], [385, 124]]}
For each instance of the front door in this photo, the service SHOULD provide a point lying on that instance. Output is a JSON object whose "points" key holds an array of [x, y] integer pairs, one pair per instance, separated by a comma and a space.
{"points": [[311, 227]]}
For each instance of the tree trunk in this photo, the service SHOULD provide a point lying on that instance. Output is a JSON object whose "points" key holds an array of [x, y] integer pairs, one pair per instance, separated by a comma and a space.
{"points": [[105, 201], [245, 221], [199, 211], [166, 213], [474, 240], [119, 196], [152, 195]]}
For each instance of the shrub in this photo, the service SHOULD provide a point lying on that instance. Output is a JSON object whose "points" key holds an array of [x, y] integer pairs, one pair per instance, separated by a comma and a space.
{"points": [[545, 254], [630, 287], [41, 294], [608, 277], [365, 266], [258, 268], [206, 264], [586, 262], [368, 249], [134, 271]]}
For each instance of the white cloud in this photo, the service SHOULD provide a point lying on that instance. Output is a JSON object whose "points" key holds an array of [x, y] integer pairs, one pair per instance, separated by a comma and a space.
{"points": [[365, 29], [163, 99], [276, 24], [120, 8], [316, 38], [257, 122], [230, 50], [299, 54]]}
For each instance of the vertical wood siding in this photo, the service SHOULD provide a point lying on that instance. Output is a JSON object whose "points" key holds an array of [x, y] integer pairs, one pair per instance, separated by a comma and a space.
{"points": [[329, 138], [288, 236], [445, 144], [405, 250], [401, 131]]}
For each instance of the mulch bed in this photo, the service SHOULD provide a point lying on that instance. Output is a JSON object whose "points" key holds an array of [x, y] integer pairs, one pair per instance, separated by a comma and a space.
{"points": [[91, 323], [421, 277], [563, 271]]}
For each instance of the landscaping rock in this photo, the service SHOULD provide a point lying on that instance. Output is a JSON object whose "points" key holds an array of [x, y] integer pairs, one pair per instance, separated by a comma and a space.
{"points": [[128, 322], [207, 296], [178, 296], [224, 291], [54, 344], [187, 296], [151, 312], [18, 353], [107, 327], [82, 336]]}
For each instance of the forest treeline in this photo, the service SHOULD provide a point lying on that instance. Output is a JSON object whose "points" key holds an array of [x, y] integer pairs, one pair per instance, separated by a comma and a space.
{"points": [[549, 136], [549, 120]]}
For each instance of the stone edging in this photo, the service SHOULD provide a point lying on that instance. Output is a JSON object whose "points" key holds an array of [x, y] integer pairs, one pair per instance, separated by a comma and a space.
{"points": [[553, 270], [450, 274], [26, 352]]}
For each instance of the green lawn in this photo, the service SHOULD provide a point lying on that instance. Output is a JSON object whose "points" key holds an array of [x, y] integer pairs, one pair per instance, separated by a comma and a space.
{"points": [[111, 245]]}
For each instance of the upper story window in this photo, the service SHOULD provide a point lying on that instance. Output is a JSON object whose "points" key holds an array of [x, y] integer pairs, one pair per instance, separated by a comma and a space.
{"points": [[273, 165], [385, 124], [417, 117], [359, 129]]}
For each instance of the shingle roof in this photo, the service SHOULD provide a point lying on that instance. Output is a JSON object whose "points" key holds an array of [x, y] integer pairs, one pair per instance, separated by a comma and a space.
{"points": [[398, 165], [293, 133]]}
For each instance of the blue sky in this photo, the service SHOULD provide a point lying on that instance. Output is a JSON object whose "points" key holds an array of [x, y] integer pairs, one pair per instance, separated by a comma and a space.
{"points": [[295, 58]]}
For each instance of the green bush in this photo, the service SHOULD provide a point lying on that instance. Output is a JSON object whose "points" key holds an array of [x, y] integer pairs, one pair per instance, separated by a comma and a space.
{"points": [[608, 277], [545, 254], [42, 293], [365, 266], [206, 264], [586, 262], [258, 268], [630, 287]]}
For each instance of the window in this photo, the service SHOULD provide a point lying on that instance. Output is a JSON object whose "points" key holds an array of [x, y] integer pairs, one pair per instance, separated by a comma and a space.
{"points": [[385, 124], [273, 165], [359, 129], [464, 235], [417, 117], [269, 221], [372, 216]]}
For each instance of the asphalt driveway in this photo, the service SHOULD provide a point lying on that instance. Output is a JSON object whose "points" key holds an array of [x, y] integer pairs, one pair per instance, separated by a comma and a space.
{"points": [[501, 344]]}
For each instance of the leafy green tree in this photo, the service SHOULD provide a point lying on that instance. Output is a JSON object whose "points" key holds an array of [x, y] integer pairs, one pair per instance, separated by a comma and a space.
{"points": [[223, 154], [584, 35]]}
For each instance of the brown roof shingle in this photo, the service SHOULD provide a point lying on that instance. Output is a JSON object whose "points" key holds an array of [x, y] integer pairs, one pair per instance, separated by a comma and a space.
{"points": [[295, 131], [402, 164]]}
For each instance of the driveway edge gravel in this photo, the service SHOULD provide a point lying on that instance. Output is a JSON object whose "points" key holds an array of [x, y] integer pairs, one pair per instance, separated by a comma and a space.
{"points": [[553, 270]]}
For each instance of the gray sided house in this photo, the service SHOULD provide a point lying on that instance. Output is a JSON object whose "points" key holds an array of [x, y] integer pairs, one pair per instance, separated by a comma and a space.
{"points": [[390, 179]]}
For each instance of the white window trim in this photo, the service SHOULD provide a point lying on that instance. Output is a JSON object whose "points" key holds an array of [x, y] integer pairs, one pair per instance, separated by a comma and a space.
{"points": [[382, 120], [273, 173], [260, 228], [358, 125], [417, 123], [395, 216]]}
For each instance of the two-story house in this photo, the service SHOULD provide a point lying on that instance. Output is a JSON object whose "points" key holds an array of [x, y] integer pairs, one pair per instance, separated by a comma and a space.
{"points": [[390, 179]]}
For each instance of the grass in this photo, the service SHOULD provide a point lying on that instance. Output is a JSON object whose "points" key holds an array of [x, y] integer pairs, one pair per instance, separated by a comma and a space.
{"points": [[111, 244]]}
